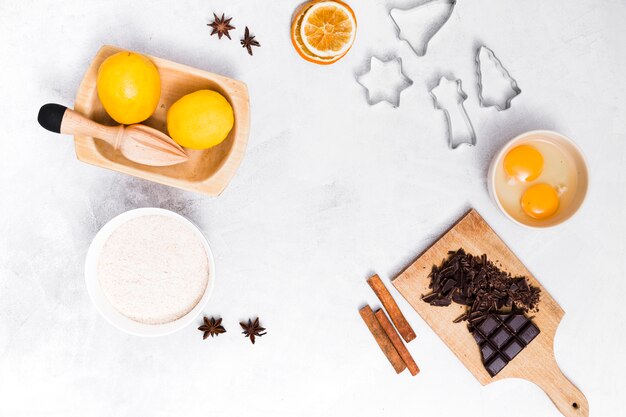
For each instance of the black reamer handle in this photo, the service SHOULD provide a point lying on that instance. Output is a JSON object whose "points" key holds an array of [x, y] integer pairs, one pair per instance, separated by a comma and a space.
{"points": [[50, 117]]}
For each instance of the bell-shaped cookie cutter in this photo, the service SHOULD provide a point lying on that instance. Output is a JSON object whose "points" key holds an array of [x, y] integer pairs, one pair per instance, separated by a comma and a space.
{"points": [[491, 56], [448, 95], [421, 46], [391, 67]]}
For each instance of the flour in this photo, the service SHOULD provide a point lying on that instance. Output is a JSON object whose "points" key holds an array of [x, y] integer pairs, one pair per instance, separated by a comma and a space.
{"points": [[153, 269]]}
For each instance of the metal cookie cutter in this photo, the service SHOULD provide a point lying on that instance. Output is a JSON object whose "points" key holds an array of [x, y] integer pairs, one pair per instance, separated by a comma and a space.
{"points": [[489, 67], [383, 81], [417, 26], [449, 96]]}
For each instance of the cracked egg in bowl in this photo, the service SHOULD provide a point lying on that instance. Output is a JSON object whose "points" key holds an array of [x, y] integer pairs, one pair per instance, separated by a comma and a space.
{"points": [[538, 179]]}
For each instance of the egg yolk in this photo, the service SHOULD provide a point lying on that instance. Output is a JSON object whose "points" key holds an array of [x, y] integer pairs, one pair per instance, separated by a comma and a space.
{"points": [[524, 163], [540, 201]]}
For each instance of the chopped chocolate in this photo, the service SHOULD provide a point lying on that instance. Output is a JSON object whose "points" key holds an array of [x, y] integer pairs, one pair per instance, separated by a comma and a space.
{"points": [[501, 337], [474, 281]]}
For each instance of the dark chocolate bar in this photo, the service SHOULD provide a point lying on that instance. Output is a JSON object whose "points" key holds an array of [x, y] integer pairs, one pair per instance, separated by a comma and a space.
{"points": [[501, 337]]}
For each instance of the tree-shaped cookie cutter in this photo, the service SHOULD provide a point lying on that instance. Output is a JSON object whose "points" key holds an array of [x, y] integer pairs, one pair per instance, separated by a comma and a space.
{"points": [[491, 56], [402, 81], [448, 95], [420, 48]]}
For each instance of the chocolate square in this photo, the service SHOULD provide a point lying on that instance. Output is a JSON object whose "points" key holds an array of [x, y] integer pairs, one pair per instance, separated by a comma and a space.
{"points": [[496, 365], [487, 351], [516, 322], [500, 337], [512, 349], [529, 333], [489, 325]]}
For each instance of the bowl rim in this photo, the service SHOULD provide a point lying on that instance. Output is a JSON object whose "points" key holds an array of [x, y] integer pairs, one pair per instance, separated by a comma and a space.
{"points": [[584, 169], [101, 302]]}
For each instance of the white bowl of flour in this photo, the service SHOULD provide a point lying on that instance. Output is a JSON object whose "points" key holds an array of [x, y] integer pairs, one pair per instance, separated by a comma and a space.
{"points": [[149, 272]]}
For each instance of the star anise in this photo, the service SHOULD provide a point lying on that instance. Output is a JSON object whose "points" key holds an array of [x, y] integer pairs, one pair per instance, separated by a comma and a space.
{"points": [[212, 327], [252, 330], [248, 41], [221, 26]]}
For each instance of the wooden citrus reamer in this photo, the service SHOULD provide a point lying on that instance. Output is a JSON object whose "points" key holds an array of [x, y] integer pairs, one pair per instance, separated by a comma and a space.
{"points": [[138, 143], [536, 363]]}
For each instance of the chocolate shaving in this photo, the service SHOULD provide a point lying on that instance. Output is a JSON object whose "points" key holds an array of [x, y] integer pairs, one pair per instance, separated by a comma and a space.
{"points": [[474, 281]]}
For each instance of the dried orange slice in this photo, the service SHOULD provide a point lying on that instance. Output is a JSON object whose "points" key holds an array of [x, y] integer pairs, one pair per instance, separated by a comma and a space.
{"points": [[323, 31], [328, 28], [296, 39]]}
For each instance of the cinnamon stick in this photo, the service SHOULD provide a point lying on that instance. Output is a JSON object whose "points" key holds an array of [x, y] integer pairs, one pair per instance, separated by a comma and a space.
{"points": [[382, 339], [397, 342], [403, 326]]}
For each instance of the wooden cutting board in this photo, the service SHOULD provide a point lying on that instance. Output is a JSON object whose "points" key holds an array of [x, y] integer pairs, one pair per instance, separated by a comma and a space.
{"points": [[536, 363]]}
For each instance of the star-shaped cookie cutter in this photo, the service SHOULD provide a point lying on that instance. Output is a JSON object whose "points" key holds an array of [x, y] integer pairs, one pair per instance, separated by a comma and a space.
{"points": [[393, 76]]}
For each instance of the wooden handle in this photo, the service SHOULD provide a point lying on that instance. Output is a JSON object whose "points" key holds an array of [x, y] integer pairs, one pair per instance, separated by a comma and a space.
{"points": [[75, 123], [570, 401]]}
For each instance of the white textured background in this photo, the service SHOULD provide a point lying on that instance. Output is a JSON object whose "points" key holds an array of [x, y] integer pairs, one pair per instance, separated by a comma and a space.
{"points": [[330, 191]]}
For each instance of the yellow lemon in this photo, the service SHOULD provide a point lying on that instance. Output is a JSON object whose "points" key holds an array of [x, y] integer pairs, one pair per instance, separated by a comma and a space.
{"points": [[129, 87], [200, 120]]}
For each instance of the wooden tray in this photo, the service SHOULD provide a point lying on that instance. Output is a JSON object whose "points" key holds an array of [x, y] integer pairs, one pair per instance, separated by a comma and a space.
{"points": [[208, 171], [536, 363]]}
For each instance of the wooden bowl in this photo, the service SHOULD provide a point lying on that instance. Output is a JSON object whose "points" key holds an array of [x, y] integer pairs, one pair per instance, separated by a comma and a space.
{"points": [[207, 171]]}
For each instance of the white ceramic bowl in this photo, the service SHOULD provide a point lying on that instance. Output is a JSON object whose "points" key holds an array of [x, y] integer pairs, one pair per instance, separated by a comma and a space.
{"points": [[101, 302], [568, 146]]}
